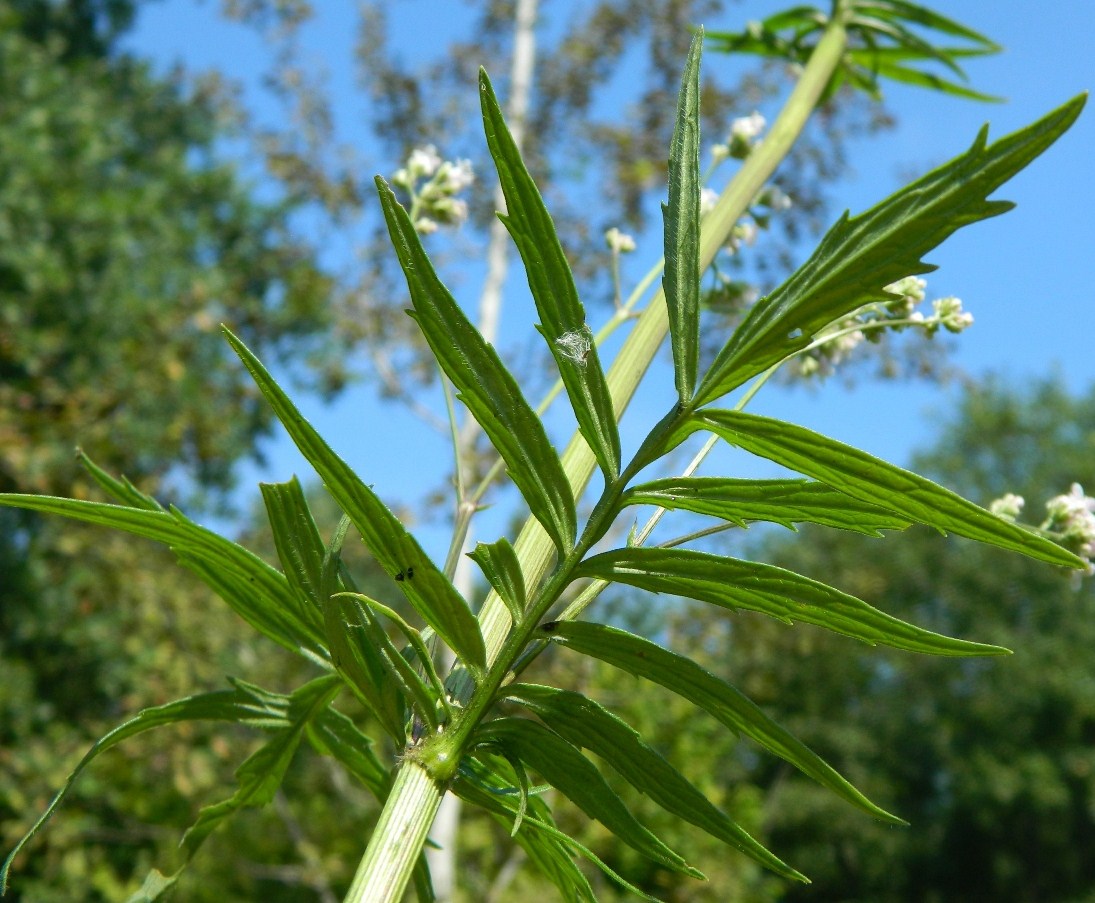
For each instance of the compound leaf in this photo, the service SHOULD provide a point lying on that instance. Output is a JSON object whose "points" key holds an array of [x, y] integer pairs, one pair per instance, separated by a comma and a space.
{"points": [[782, 594], [429, 591], [876, 482], [684, 677], [483, 382], [562, 316]]}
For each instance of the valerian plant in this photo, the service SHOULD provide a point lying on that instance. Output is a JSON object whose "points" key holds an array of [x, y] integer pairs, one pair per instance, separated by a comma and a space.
{"points": [[482, 731]]}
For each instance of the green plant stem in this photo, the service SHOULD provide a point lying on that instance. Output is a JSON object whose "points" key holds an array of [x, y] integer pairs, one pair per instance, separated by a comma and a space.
{"points": [[533, 546], [398, 838], [401, 832]]}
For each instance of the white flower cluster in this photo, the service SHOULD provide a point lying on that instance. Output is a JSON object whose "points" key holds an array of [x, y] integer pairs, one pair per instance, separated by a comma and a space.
{"points": [[433, 184], [744, 136], [1070, 519], [836, 342]]}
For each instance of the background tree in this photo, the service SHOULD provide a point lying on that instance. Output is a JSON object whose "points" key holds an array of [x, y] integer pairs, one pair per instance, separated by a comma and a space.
{"points": [[124, 240]]}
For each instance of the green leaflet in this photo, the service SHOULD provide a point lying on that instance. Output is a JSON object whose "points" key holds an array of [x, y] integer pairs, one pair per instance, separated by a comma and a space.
{"points": [[296, 538], [684, 677], [428, 697], [547, 846], [484, 384], [245, 704], [563, 318], [872, 480], [785, 502], [263, 771], [333, 734], [429, 591], [859, 256], [256, 592], [122, 490], [586, 724], [573, 775], [681, 282], [363, 656], [500, 566], [782, 594]]}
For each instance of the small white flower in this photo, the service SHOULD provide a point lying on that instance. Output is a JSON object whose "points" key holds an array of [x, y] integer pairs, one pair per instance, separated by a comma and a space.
{"points": [[774, 199], [1008, 506], [423, 161], [450, 210], [1072, 517], [708, 198], [425, 226], [719, 152], [746, 128], [745, 232], [911, 288], [453, 178], [949, 313], [619, 242], [744, 135], [1075, 507], [911, 292]]}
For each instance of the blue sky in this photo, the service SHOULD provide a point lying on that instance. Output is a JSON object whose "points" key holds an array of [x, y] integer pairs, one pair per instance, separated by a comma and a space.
{"points": [[1027, 277]]}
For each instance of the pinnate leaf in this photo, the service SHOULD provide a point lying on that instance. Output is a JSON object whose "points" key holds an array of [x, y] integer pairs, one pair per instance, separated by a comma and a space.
{"points": [[296, 539], [257, 592], [483, 382], [262, 772], [500, 566], [562, 316], [786, 502], [573, 775], [429, 592], [681, 216], [859, 256], [547, 847], [586, 724], [719, 699], [872, 480], [733, 583], [245, 704]]}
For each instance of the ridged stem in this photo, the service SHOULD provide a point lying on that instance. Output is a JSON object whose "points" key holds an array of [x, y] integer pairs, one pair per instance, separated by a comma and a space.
{"points": [[398, 838]]}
